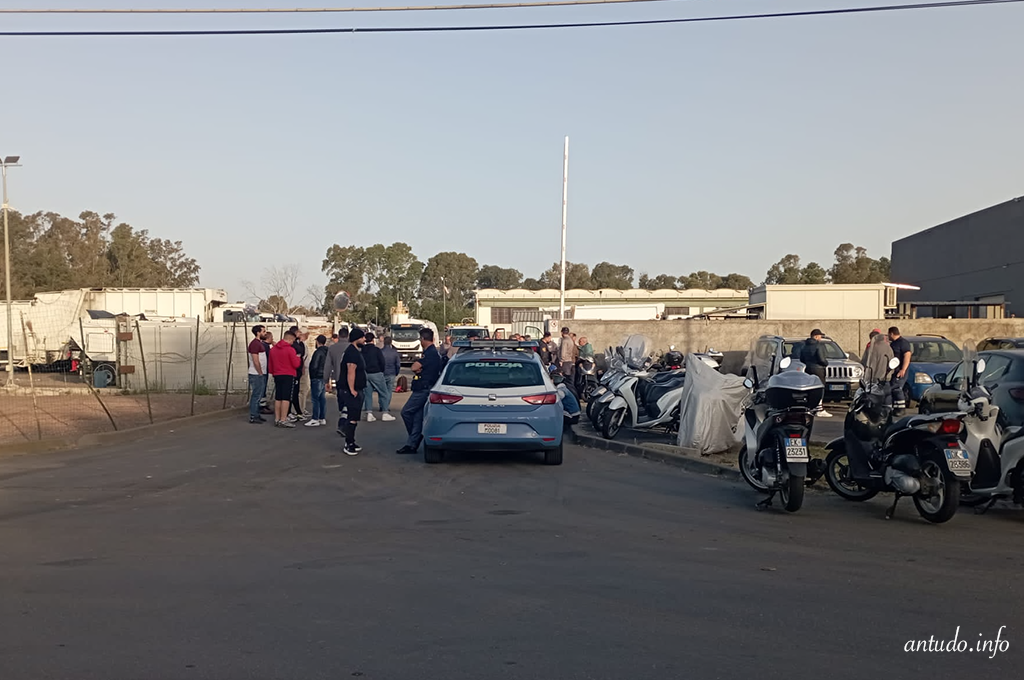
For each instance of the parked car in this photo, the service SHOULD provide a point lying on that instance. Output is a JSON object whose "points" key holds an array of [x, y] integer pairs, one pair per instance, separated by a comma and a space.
{"points": [[497, 398], [842, 375], [930, 356], [1001, 343], [1003, 376]]}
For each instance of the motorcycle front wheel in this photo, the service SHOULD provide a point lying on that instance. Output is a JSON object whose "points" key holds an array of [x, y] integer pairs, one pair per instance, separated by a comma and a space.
{"points": [[840, 477], [749, 469], [611, 422], [941, 505]]}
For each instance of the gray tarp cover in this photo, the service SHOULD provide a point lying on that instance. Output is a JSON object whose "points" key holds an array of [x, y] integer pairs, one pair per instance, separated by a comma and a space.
{"points": [[711, 407]]}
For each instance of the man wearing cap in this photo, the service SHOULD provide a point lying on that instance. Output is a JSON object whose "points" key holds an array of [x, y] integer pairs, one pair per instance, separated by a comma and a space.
{"points": [[351, 384], [813, 357]]}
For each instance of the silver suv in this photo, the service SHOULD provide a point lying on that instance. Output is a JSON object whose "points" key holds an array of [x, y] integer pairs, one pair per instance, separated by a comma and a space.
{"points": [[842, 375]]}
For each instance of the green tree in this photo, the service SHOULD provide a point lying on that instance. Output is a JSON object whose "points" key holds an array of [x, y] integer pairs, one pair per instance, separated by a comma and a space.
{"points": [[345, 267], [701, 280], [737, 282], [459, 273], [577, 275], [785, 271], [853, 265], [533, 284], [608, 275], [659, 282], [813, 274], [500, 278], [393, 271]]}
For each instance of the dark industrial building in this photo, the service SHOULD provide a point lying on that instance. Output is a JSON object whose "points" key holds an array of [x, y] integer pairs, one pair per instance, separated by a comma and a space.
{"points": [[978, 258]]}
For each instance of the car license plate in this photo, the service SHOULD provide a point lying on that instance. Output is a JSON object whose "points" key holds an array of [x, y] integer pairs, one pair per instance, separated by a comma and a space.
{"points": [[796, 451], [837, 388], [959, 462], [492, 428]]}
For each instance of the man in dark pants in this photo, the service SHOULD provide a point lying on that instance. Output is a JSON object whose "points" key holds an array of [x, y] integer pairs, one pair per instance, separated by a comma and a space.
{"points": [[901, 350], [295, 410], [427, 370], [350, 388], [812, 354]]}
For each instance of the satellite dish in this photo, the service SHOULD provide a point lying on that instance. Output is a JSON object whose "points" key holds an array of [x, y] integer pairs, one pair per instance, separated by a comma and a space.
{"points": [[341, 301]]}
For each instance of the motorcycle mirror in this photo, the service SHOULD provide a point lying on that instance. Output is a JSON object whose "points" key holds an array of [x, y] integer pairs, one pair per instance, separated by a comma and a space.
{"points": [[980, 366], [894, 363], [784, 364], [671, 348], [748, 383]]}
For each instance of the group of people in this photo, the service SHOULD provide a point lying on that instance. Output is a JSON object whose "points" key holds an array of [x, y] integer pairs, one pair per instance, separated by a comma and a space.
{"points": [[881, 349]]}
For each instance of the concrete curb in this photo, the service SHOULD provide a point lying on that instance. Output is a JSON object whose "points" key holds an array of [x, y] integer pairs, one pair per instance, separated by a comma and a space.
{"points": [[118, 436], [679, 460]]}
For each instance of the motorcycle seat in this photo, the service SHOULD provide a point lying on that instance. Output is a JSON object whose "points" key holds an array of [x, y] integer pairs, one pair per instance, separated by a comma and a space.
{"points": [[657, 391]]}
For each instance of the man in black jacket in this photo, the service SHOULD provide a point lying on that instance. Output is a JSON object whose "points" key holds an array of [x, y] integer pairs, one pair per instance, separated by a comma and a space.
{"points": [[316, 382], [813, 357], [300, 348], [374, 358]]}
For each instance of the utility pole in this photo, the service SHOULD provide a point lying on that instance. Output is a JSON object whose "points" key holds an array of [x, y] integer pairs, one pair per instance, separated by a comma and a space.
{"points": [[565, 199], [11, 161]]}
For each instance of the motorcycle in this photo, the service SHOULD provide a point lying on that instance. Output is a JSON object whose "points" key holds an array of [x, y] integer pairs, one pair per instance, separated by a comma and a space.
{"points": [[774, 456], [918, 456], [585, 377], [995, 454], [644, 403]]}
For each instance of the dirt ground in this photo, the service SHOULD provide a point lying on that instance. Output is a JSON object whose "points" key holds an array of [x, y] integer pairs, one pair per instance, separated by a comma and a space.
{"points": [[65, 415]]}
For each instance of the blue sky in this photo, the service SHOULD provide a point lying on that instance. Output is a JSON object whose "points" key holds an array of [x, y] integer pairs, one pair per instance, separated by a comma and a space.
{"points": [[718, 146]]}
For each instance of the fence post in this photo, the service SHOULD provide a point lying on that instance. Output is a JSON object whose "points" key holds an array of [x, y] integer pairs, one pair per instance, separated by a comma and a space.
{"points": [[81, 330], [145, 376], [245, 334], [31, 382], [231, 355], [195, 368]]}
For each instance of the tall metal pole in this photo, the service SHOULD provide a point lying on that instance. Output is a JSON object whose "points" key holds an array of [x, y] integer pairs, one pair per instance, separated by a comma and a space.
{"points": [[7, 288], [444, 304], [565, 204]]}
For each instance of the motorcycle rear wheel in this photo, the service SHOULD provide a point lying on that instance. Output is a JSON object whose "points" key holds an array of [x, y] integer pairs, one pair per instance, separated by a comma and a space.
{"points": [[792, 493], [939, 507]]}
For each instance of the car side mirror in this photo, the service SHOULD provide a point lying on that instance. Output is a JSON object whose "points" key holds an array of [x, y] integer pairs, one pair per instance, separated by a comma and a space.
{"points": [[748, 383], [940, 379]]}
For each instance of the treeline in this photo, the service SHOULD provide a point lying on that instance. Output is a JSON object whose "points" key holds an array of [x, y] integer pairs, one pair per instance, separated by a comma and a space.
{"points": [[53, 252]]}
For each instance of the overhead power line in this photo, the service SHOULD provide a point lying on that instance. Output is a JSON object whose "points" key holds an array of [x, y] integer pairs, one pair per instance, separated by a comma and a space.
{"points": [[512, 27], [327, 10]]}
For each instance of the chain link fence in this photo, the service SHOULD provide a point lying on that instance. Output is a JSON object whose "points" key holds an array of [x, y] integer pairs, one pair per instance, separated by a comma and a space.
{"points": [[116, 373]]}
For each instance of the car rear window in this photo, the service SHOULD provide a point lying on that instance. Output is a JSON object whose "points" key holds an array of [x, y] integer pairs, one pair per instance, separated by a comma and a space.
{"points": [[935, 351], [463, 333], [493, 373]]}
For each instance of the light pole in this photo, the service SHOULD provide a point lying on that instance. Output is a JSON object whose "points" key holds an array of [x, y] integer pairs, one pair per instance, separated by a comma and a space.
{"points": [[8, 161], [444, 305]]}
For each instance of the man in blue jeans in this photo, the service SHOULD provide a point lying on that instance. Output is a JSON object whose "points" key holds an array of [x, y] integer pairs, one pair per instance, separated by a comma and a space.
{"points": [[317, 386], [392, 367], [373, 356], [427, 370], [257, 351]]}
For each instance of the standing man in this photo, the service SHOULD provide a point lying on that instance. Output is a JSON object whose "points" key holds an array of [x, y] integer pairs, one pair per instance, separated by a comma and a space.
{"points": [[268, 398], [304, 384], [373, 356], [284, 362], [427, 370], [586, 349], [812, 354], [392, 367], [901, 350], [568, 352], [351, 386], [545, 349], [300, 351], [257, 375], [316, 382], [332, 376]]}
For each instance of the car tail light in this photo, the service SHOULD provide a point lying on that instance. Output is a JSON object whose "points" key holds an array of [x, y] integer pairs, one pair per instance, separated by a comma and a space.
{"points": [[441, 398], [1017, 393], [540, 399], [950, 427]]}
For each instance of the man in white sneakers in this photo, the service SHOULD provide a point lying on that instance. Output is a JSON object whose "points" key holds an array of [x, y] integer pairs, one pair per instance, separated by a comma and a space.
{"points": [[375, 382]]}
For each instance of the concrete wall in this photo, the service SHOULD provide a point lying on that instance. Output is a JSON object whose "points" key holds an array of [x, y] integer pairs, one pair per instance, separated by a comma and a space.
{"points": [[971, 257], [736, 335]]}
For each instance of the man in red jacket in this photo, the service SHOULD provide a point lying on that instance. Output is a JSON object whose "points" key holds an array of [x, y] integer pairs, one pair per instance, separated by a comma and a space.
{"points": [[284, 362]]}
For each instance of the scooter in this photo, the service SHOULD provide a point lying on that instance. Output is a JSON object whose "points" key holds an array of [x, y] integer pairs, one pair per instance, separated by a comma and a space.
{"points": [[996, 455], [918, 456], [644, 404], [774, 456]]}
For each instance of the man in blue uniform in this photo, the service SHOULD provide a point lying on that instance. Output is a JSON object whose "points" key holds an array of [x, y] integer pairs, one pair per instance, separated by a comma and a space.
{"points": [[427, 370]]}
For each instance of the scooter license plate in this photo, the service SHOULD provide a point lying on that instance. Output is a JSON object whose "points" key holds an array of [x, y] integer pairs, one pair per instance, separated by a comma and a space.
{"points": [[959, 462], [796, 451]]}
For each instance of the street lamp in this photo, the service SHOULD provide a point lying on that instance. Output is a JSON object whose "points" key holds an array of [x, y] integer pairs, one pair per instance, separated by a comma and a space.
{"points": [[8, 161], [444, 305]]}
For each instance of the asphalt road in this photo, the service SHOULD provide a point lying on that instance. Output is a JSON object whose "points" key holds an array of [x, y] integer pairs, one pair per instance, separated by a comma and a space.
{"points": [[231, 551]]}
